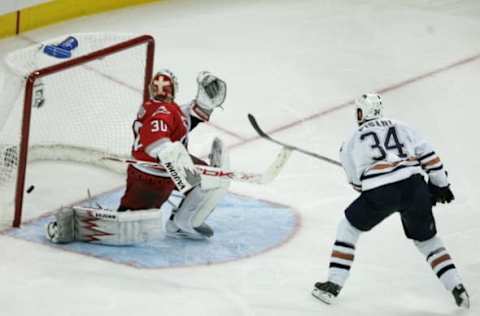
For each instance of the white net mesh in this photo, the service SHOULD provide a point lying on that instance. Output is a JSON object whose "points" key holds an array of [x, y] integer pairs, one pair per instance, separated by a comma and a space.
{"points": [[78, 114]]}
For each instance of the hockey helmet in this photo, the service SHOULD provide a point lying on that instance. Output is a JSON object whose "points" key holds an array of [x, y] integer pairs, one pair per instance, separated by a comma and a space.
{"points": [[369, 107], [164, 85]]}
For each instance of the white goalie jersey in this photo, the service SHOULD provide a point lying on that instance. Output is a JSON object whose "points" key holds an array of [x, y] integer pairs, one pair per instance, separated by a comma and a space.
{"points": [[384, 151]]}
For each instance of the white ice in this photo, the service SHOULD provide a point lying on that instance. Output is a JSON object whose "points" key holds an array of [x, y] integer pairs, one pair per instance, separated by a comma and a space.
{"points": [[287, 62]]}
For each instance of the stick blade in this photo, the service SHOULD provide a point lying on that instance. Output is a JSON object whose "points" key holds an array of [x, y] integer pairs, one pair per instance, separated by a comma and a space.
{"points": [[264, 135], [274, 170], [256, 127]]}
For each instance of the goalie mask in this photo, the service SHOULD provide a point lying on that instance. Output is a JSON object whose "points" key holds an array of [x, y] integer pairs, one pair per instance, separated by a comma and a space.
{"points": [[369, 107], [163, 86]]}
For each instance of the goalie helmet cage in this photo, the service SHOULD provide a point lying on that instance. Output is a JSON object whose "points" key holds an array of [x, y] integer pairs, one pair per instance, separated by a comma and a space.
{"points": [[102, 61]]}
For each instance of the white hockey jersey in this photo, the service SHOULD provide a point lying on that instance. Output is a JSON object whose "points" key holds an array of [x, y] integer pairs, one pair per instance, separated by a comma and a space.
{"points": [[384, 151]]}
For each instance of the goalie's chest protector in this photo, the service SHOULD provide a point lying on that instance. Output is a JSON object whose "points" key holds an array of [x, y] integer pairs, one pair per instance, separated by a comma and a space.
{"points": [[158, 121]]}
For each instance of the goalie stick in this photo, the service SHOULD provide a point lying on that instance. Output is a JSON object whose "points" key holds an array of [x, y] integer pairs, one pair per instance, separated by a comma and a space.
{"points": [[264, 135], [257, 178]]}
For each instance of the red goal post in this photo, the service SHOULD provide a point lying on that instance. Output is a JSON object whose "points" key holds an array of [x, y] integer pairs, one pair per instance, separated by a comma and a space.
{"points": [[102, 65]]}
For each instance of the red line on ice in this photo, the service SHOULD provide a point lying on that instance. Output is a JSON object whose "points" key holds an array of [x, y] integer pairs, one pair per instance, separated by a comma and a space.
{"points": [[348, 103]]}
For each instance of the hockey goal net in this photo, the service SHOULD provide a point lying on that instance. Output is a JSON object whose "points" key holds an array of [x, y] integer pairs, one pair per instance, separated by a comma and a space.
{"points": [[72, 108]]}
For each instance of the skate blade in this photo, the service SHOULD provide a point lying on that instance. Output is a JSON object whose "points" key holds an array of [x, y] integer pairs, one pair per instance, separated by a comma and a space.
{"points": [[325, 297], [185, 235], [465, 302], [204, 231]]}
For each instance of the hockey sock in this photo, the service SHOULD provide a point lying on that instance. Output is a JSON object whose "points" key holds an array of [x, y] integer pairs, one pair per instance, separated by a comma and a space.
{"points": [[343, 252], [440, 261]]}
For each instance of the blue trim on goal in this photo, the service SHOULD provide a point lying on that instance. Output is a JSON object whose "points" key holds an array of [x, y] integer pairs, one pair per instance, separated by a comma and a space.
{"points": [[243, 227]]}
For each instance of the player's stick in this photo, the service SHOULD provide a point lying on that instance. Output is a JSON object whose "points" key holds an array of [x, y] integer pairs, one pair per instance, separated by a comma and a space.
{"points": [[262, 134], [250, 177]]}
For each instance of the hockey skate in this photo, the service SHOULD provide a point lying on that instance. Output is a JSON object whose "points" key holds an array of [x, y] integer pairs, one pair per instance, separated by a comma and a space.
{"points": [[326, 291], [204, 230], [461, 296]]}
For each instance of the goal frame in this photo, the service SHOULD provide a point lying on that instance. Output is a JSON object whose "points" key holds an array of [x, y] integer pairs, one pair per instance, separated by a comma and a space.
{"points": [[147, 40]]}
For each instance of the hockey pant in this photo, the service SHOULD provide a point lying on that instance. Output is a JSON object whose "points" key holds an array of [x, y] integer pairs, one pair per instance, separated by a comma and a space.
{"points": [[145, 191]]}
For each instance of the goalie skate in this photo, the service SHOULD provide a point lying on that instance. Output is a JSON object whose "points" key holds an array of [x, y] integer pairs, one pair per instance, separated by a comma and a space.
{"points": [[173, 231], [204, 230], [326, 291]]}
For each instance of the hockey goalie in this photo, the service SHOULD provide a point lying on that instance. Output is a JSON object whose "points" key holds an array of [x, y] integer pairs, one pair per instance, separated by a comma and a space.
{"points": [[160, 131]]}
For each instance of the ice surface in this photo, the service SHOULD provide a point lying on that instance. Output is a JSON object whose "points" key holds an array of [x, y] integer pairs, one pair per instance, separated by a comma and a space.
{"points": [[289, 62], [244, 227]]}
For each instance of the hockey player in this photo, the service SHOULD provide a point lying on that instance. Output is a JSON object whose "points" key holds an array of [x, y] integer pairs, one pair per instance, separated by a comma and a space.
{"points": [[161, 135], [385, 161]]}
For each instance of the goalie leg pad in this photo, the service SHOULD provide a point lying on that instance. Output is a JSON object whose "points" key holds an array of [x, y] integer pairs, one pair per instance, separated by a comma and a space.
{"points": [[117, 229], [219, 158], [201, 201], [188, 208], [196, 207], [204, 210]]}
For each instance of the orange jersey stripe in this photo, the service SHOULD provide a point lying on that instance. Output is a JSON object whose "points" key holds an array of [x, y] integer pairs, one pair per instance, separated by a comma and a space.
{"points": [[439, 260], [431, 162], [342, 255], [381, 166]]}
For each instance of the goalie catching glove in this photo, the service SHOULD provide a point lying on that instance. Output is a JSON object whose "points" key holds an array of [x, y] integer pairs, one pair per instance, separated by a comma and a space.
{"points": [[211, 94]]}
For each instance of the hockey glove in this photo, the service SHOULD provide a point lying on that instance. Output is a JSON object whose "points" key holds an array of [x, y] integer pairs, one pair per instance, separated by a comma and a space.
{"points": [[210, 95], [440, 194], [179, 165]]}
